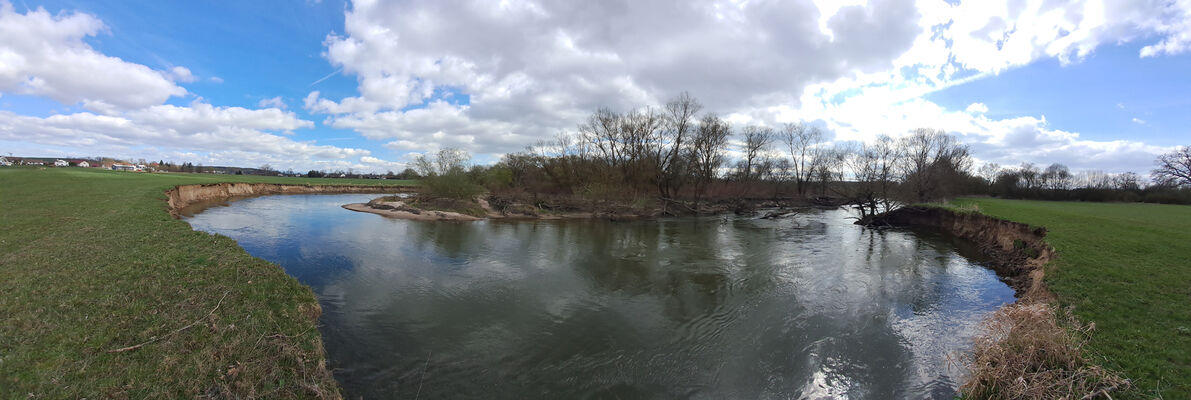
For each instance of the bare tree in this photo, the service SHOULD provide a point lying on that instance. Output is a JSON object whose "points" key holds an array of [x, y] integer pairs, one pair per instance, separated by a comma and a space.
{"points": [[932, 162], [673, 142], [707, 150], [1128, 181], [756, 141], [830, 167], [1030, 176], [874, 166], [802, 142], [1174, 168], [1056, 177], [602, 132], [990, 171]]}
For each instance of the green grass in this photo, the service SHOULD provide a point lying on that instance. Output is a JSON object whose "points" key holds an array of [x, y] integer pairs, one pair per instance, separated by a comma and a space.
{"points": [[91, 261], [1127, 269]]}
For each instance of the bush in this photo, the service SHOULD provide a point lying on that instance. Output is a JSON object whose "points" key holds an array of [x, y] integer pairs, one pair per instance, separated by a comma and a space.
{"points": [[451, 185], [445, 175]]}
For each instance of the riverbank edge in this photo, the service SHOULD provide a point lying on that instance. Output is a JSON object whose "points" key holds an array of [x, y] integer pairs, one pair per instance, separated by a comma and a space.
{"points": [[1019, 252], [1020, 256], [182, 196]]}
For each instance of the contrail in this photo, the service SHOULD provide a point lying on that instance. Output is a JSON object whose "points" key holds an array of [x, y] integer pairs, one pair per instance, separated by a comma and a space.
{"points": [[325, 77]]}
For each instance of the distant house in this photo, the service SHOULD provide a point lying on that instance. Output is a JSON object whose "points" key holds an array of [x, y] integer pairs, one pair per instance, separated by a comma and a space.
{"points": [[4, 162], [124, 167], [82, 164], [61, 163]]}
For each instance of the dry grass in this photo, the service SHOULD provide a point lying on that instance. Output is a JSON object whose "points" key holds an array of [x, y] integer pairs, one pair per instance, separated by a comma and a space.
{"points": [[1031, 351]]}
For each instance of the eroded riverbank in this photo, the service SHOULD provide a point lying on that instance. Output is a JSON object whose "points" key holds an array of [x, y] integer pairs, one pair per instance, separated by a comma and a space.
{"points": [[1029, 349], [1019, 251], [183, 196]]}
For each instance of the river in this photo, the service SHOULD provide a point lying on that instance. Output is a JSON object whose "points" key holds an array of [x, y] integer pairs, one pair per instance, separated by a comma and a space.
{"points": [[703, 308]]}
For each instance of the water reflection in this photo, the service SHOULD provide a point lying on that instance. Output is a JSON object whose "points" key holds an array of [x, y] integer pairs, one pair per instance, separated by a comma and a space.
{"points": [[711, 307]]}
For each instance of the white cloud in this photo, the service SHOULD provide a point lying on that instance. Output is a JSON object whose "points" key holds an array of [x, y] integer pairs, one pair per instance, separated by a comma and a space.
{"points": [[531, 69], [977, 108], [1139, 121], [45, 55], [1176, 31], [376, 164], [274, 102], [182, 74]]}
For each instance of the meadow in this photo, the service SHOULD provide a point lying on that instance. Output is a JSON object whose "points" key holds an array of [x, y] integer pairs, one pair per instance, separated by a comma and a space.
{"points": [[1125, 267], [104, 294]]}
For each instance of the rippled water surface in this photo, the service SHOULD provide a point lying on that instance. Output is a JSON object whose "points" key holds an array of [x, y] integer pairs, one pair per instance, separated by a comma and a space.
{"points": [[714, 307]]}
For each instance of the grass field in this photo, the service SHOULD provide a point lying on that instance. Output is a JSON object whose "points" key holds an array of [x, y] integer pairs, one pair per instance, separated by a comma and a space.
{"points": [[90, 261], [1126, 268]]}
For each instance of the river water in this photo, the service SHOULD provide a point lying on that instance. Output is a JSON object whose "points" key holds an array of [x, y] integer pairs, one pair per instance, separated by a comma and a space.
{"points": [[704, 308]]}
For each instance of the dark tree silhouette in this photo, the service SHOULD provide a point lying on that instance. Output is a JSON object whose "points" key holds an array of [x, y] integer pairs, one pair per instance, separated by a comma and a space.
{"points": [[1174, 168]]}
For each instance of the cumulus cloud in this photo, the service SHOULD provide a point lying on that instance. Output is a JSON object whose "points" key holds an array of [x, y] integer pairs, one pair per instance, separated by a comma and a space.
{"points": [[45, 55], [530, 69]]}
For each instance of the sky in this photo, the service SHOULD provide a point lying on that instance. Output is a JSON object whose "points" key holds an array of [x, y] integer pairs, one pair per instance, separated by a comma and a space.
{"points": [[366, 85]]}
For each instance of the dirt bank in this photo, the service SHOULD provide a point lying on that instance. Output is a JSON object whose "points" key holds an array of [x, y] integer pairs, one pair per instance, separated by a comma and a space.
{"points": [[184, 195], [1018, 250]]}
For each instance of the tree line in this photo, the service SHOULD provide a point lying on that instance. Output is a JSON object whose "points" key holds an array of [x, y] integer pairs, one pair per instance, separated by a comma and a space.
{"points": [[681, 155]]}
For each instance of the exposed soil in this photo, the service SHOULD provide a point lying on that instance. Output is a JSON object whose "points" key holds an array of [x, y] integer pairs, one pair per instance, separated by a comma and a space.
{"points": [[1019, 251], [182, 196]]}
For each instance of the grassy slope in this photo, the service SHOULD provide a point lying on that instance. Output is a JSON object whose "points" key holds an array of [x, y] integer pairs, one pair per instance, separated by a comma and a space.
{"points": [[1126, 268], [91, 261]]}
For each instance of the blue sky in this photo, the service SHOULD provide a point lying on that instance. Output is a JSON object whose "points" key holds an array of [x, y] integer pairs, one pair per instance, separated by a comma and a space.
{"points": [[331, 85], [1099, 97]]}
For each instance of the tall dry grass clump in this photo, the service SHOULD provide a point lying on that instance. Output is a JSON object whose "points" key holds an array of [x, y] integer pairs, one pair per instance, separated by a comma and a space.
{"points": [[1030, 351]]}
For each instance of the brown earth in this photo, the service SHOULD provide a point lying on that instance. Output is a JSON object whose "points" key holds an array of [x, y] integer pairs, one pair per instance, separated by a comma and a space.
{"points": [[185, 195], [1019, 251]]}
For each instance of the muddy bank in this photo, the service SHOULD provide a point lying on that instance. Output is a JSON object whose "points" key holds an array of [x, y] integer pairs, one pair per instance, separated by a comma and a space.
{"points": [[182, 196], [1018, 250]]}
